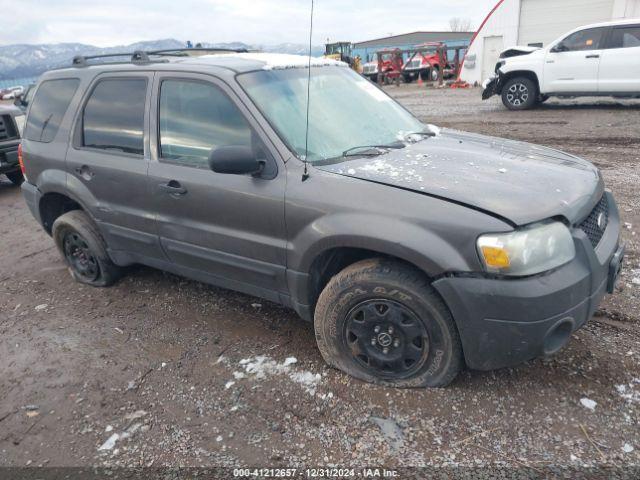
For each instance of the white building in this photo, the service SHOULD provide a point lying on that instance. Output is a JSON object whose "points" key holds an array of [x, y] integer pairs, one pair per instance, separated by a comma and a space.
{"points": [[534, 23]]}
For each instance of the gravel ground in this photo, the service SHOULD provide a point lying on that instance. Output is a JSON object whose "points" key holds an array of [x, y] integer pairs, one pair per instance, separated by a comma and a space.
{"points": [[162, 371]]}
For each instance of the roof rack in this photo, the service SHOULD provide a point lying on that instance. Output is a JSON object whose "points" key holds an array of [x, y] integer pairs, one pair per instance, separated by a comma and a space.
{"points": [[138, 56], [142, 57]]}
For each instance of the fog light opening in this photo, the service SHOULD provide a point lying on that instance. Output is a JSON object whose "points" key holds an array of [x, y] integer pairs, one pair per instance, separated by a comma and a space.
{"points": [[558, 336]]}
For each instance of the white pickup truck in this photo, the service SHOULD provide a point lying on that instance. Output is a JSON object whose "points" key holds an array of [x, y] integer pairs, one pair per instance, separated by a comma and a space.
{"points": [[594, 60]]}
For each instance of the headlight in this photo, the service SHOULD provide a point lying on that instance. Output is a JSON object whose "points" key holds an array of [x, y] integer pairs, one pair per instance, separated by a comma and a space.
{"points": [[19, 119], [527, 251]]}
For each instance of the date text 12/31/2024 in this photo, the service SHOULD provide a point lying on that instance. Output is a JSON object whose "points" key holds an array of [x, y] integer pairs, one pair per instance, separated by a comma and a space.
{"points": [[314, 473]]}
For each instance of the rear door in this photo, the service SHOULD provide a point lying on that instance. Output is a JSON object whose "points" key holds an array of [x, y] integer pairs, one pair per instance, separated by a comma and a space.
{"points": [[620, 63], [226, 229], [110, 158], [575, 68]]}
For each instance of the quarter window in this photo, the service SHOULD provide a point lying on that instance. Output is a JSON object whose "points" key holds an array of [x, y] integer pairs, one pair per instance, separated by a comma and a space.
{"points": [[196, 117], [588, 39], [113, 118], [625, 37], [49, 106]]}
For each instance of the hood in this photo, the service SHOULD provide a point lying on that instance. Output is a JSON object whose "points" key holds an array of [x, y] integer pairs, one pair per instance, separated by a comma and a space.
{"points": [[518, 51], [520, 182]]}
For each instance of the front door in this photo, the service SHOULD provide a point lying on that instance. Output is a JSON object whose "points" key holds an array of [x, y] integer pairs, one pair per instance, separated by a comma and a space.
{"points": [[222, 228], [571, 66], [109, 159]]}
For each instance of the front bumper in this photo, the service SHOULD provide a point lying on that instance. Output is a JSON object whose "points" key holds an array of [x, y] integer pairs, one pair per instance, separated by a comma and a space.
{"points": [[9, 156], [490, 87], [503, 322]]}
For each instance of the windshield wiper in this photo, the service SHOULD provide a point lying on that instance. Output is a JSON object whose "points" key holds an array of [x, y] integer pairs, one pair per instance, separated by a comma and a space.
{"points": [[422, 133], [372, 150]]}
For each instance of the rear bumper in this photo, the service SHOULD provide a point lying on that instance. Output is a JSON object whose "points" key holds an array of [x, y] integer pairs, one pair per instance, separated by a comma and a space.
{"points": [[9, 156], [32, 198], [503, 322]]}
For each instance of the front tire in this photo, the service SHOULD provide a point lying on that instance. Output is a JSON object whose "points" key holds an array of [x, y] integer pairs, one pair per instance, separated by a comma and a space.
{"points": [[380, 321], [84, 250], [15, 177], [519, 93]]}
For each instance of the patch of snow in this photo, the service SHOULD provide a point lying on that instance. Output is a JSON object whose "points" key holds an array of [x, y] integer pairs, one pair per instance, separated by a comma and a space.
{"points": [[588, 403], [229, 384], [108, 429], [502, 170], [110, 443], [631, 391], [626, 448], [262, 366], [40, 307], [281, 61]]}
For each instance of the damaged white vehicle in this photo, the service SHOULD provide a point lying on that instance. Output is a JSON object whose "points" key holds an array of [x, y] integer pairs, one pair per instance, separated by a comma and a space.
{"points": [[594, 60]]}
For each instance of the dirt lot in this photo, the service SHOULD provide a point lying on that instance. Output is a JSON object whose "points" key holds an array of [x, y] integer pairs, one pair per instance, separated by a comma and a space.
{"points": [[191, 375]]}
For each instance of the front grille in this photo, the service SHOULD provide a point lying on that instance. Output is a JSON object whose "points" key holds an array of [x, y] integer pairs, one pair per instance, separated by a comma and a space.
{"points": [[596, 223], [414, 64], [370, 69], [7, 128]]}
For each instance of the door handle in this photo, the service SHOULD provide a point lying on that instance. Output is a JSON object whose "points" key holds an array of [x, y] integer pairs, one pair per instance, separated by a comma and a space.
{"points": [[173, 187], [595, 55]]}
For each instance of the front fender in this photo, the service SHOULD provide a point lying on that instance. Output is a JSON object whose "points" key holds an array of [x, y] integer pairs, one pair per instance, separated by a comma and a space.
{"points": [[410, 242]]}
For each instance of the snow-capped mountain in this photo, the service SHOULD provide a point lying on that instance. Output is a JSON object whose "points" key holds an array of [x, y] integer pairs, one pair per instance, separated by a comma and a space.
{"points": [[17, 61]]}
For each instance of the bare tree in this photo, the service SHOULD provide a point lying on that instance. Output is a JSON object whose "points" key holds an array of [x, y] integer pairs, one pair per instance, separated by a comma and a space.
{"points": [[460, 24]]}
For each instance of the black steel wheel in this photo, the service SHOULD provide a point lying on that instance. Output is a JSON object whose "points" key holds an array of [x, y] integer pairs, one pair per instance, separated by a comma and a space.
{"points": [[84, 250], [386, 338], [79, 257], [380, 320]]}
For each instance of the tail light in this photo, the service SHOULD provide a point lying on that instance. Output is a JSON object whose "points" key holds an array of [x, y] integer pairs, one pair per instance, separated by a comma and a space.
{"points": [[21, 159]]}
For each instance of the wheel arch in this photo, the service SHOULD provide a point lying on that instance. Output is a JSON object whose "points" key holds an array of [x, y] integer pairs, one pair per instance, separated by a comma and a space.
{"points": [[531, 75], [423, 251]]}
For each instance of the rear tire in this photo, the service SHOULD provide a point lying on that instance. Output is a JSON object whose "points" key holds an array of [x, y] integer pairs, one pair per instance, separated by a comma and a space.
{"points": [[84, 250], [519, 93], [381, 321], [15, 177]]}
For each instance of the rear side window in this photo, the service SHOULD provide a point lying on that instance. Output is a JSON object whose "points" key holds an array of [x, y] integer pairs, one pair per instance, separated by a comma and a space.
{"points": [[625, 37], [196, 117], [113, 118], [588, 39], [49, 106]]}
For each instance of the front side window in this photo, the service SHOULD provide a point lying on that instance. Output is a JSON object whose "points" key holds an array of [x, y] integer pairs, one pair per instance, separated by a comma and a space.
{"points": [[589, 39], [345, 110], [49, 106], [625, 37], [113, 118], [196, 117]]}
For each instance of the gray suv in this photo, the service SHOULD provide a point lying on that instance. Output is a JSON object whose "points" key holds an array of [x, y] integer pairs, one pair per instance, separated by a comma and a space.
{"points": [[414, 251]]}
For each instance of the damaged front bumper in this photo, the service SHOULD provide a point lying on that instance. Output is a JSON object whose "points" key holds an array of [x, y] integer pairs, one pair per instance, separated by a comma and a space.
{"points": [[504, 322], [490, 86]]}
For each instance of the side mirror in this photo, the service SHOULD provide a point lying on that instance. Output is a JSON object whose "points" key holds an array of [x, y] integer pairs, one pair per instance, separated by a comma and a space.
{"points": [[560, 47], [235, 160]]}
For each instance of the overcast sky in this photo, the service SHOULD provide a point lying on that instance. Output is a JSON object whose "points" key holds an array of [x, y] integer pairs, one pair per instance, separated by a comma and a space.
{"points": [[118, 22]]}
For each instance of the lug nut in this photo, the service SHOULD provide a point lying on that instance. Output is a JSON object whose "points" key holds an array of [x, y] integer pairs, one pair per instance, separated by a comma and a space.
{"points": [[396, 343], [377, 328], [373, 341], [390, 329], [385, 350]]}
